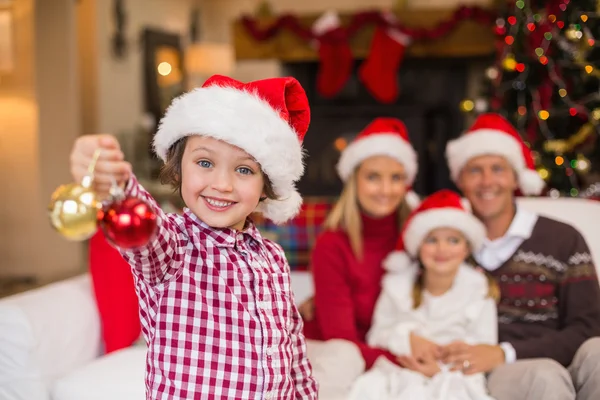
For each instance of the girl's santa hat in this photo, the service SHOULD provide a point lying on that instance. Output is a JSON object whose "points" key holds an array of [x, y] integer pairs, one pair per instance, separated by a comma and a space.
{"points": [[382, 137], [493, 134], [443, 209], [268, 119]]}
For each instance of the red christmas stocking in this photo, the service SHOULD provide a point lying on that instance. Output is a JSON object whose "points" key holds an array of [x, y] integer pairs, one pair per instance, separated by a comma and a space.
{"points": [[379, 72], [336, 60]]}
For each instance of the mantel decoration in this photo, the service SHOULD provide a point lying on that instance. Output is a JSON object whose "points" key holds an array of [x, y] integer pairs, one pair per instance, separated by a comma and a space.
{"points": [[379, 71]]}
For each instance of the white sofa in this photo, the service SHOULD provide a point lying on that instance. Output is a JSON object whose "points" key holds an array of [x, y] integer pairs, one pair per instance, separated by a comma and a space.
{"points": [[50, 337]]}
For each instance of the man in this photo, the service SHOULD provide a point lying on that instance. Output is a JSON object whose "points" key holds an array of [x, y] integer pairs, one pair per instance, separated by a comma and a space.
{"points": [[549, 313]]}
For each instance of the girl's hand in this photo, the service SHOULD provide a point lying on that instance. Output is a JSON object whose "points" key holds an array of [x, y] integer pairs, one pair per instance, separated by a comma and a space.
{"points": [[427, 367], [422, 349], [110, 166]]}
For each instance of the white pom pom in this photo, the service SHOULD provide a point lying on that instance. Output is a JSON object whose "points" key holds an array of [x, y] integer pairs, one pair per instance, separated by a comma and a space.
{"points": [[466, 204], [397, 261], [530, 182], [412, 199]]}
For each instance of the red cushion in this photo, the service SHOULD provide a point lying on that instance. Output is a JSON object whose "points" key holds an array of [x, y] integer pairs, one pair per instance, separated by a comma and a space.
{"points": [[115, 295]]}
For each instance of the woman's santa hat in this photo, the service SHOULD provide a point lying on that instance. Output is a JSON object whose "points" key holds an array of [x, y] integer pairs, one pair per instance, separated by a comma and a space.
{"points": [[493, 134], [382, 137], [268, 119], [443, 209]]}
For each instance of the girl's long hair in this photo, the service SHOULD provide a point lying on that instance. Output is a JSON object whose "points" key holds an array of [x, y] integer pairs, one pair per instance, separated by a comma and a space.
{"points": [[345, 216]]}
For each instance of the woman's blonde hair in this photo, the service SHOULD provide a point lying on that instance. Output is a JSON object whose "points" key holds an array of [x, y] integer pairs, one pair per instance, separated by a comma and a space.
{"points": [[345, 215], [417, 291]]}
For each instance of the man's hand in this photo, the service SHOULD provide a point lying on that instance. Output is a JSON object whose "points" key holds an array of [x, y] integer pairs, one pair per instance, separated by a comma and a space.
{"points": [[428, 367], [307, 309], [421, 348], [110, 165], [472, 359]]}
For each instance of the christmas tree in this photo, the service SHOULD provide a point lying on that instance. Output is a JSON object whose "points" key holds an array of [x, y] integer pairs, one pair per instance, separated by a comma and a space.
{"points": [[546, 81]]}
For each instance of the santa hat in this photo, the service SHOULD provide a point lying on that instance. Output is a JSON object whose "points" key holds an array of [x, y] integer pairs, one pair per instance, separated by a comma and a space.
{"points": [[382, 137], [443, 209], [493, 134], [267, 118]]}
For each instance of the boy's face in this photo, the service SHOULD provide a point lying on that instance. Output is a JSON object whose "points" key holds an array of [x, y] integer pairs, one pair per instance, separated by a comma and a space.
{"points": [[220, 183]]}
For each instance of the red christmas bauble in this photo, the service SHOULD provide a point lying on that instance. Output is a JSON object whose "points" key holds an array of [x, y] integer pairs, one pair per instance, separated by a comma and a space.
{"points": [[128, 223]]}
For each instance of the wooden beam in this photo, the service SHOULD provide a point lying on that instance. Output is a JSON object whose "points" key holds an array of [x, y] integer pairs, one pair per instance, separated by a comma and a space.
{"points": [[469, 39]]}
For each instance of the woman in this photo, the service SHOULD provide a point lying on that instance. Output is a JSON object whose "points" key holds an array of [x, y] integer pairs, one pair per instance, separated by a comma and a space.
{"points": [[378, 169]]}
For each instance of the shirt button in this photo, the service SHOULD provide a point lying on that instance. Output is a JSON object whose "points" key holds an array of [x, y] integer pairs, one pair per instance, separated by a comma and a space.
{"points": [[269, 395], [269, 351]]}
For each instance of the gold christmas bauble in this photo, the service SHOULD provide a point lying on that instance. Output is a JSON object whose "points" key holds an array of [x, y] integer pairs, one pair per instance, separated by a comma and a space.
{"points": [[544, 173], [73, 211]]}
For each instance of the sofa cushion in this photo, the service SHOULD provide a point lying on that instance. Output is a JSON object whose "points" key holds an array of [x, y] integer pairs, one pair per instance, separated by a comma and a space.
{"points": [[115, 295], [44, 334], [115, 376]]}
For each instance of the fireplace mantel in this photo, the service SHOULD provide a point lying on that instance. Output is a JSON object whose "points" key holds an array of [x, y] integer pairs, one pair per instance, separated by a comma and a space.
{"points": [[470, 39]]}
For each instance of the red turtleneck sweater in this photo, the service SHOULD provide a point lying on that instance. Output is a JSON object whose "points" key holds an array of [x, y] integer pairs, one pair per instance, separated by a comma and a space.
{"points": [[346, 289]]}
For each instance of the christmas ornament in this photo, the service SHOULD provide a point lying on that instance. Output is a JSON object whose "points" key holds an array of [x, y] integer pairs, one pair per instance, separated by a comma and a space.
{"points": [[335, 56], [573, 34], [481, 105], [379, 72], [467, 105], [583, 165], [74, 207], [509, 63], [544, 173], [492, 73], [127, 222]]}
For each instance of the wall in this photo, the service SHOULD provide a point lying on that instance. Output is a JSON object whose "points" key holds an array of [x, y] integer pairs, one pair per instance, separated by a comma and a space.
{"points": [[38, 122], [120, 82]]}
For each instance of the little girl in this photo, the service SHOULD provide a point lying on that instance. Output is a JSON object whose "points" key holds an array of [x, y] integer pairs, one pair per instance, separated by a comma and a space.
{"points": [[216, 306], [430, 298]]}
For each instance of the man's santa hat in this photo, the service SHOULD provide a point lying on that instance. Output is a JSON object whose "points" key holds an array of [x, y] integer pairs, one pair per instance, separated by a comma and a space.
{"points": [[382, 137], [492, 134], [443, 209], [268, 119]]}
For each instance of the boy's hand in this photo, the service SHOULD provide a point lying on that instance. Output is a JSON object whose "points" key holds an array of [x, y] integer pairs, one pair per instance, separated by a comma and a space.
{"points": [[111, 164]]}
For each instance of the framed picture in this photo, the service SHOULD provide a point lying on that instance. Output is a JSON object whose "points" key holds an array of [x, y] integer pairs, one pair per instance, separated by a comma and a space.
{"points": [[164, 79]]}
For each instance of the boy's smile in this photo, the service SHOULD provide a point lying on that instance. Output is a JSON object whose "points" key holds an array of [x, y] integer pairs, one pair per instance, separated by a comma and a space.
{"points": [[220, 183]]}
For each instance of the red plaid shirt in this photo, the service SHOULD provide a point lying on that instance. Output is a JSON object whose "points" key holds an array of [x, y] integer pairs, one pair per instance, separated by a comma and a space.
{"points": [[217, 313]]}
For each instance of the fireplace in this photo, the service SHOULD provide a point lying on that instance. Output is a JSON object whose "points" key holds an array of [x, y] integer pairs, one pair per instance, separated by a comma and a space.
{"points": [[431, 90]]}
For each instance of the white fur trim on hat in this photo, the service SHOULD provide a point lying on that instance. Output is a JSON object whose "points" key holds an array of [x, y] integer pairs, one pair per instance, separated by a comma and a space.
{"points": [[397, 261], [491, 141], [412, 199], [244, 120], [380, 144], [426, 221]]}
